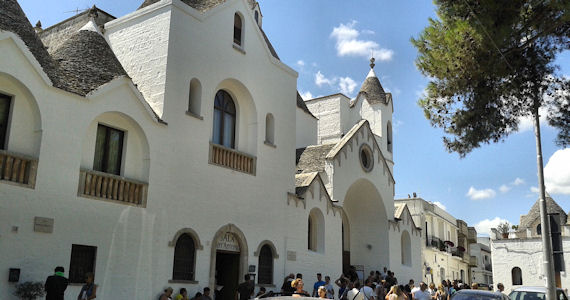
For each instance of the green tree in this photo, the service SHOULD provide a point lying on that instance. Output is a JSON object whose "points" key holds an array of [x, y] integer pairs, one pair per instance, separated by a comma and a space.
{"points": [[491, 62]]}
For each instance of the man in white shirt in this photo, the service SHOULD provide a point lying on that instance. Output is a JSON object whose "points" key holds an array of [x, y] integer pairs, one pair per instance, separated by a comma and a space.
{"points": [[422, 293], [329, 287], [368, 291], [355, 293]]}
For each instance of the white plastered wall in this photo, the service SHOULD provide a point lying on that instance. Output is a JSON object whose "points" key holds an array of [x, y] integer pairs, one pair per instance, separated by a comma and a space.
{"points": [[306, 129]]}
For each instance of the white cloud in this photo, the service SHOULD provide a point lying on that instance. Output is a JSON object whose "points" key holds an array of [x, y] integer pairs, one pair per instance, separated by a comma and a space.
{"points": [[485, 226], [504, 188], [557, 173], [348, 44], [527, 123], [306, 95], [320, 79], [440, 205], [476, 194], [533, 189], [300, 63], [347, 85], [518, 181]]}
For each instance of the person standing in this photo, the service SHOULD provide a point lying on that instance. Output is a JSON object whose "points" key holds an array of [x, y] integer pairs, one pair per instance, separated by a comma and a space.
{"points": [[318, 284], [89, 289], [246, 288], [441, 294], [422, 294], [56, 284], [329, 287], [355, 293], [367, 291]]}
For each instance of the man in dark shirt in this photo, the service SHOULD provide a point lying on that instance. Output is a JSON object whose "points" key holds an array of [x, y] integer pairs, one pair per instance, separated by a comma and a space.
{"points": [[245, 289], [56, 284]]}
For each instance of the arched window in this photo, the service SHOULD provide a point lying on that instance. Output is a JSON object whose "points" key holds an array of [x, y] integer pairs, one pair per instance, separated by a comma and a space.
{"points": [[224, 120], [265, 265], [238, 29], [269, 129], [194, 97], [184, 258], [316, 231], [516, 275], [538, 229], [406, 249], [389, 136]]}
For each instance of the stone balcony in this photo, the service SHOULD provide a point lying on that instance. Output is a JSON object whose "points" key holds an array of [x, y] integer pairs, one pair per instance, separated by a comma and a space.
{"points": [[104, 186], [232, 159], [18, 169]]}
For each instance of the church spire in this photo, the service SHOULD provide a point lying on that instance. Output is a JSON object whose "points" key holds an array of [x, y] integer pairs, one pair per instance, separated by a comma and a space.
{"points": [[371, 88]]}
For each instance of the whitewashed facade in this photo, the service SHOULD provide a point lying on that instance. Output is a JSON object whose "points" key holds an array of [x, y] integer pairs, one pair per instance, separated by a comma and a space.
{"points": [[483, 272], [173, 181], [517, 257], [445, 243]]}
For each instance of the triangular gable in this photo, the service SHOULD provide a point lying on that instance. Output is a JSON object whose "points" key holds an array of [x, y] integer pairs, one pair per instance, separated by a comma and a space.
{"points": [[352, 134], [304, 183]]}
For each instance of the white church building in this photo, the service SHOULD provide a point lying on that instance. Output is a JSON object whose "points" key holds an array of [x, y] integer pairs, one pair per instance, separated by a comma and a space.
{"points": [[170, 147]]}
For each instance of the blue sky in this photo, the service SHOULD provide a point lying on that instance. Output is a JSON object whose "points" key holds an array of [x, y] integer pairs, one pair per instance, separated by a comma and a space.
{"points": [[329, 43]]}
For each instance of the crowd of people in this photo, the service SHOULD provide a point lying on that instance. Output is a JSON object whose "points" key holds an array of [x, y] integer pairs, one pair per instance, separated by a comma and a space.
{"points": [[377, 286]]}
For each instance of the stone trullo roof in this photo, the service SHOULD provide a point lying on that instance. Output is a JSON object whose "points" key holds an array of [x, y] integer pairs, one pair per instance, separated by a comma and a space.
{"points": [[527, 220], [86, 62], [372, 89], [312, 158], [13, 19]]}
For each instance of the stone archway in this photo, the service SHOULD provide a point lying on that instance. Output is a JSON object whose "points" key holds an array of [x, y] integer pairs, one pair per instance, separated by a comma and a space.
{"points": [[227, 240], [368, 222]]}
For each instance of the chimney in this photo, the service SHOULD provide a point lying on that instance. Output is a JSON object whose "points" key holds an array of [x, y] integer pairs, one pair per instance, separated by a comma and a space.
{"points": [[415, 196]]}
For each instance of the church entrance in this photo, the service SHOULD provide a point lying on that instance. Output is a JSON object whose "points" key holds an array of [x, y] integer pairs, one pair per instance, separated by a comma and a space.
{"points": [[227, 266]]}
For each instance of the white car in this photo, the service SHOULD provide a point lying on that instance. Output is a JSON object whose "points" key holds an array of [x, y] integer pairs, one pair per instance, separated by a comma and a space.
{"points": [[535, 293]]}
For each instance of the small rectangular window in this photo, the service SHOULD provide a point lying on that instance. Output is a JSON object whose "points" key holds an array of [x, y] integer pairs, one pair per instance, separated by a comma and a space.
{"points": [[82, 262], [5, 102], [108, 150]]}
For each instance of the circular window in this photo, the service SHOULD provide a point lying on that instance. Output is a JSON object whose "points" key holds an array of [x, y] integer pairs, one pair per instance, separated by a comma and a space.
{"points": [[366, 158]]}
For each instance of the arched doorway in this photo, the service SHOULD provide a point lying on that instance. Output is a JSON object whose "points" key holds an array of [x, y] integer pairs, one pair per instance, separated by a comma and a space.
{"points": [[366, 216], [228, 261]]}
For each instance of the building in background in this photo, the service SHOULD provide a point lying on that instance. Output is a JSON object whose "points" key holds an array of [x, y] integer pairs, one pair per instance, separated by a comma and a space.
{"points": [[445, 242], [481, 252], [158, 149], [517, 257]]}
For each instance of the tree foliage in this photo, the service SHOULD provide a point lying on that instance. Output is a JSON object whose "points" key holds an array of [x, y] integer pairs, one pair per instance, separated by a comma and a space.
{"points": [[490, 63]]}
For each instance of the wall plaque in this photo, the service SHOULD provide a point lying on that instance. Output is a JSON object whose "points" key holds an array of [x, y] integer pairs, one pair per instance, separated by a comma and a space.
{"points": [[43, 224], [228, 242], [291, 255]]}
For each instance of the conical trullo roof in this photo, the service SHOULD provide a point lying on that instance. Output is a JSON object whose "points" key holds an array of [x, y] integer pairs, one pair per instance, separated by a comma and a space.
{"points": [[371, 89], [87, 61], [12, 18], [534, 213]]}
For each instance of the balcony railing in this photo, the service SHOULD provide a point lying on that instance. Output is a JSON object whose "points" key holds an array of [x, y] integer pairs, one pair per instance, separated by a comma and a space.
{"points": [[455, 251], [18, 169], [99, 185], [232, 159]]}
